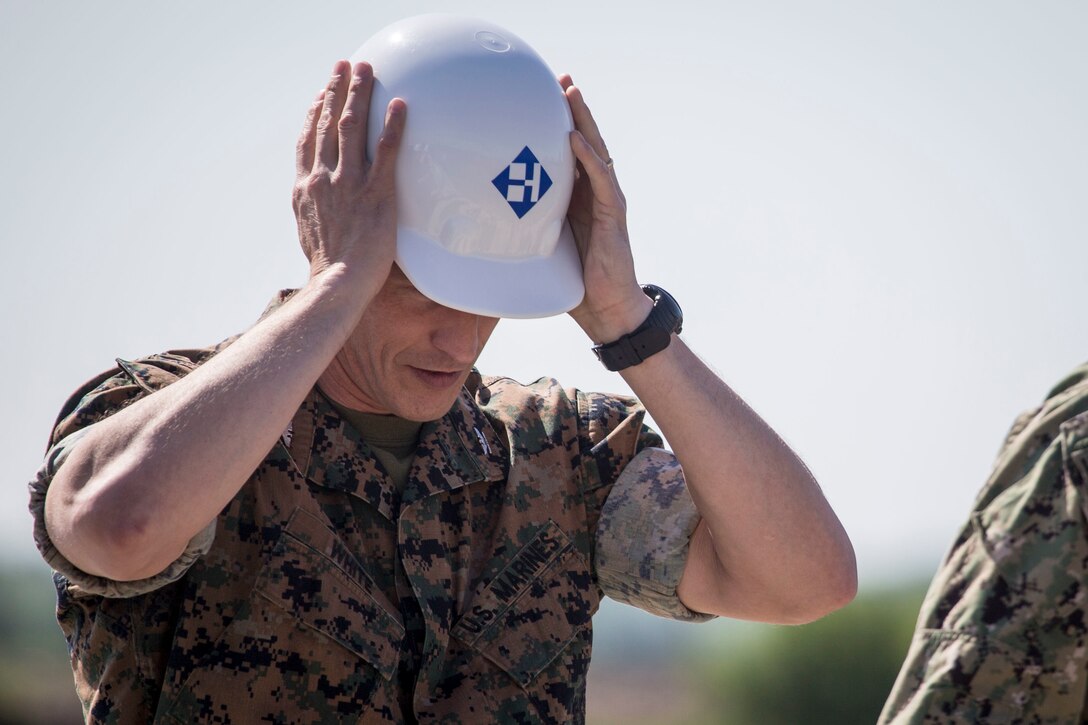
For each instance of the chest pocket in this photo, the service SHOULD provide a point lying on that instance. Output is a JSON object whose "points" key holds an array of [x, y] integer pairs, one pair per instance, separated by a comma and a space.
{"points": [[317, 642], [312, 575], [529, 614]]}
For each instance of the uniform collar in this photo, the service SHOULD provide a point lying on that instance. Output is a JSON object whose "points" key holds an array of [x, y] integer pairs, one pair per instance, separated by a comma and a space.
{"points": [[329, 452], [458, 449]]}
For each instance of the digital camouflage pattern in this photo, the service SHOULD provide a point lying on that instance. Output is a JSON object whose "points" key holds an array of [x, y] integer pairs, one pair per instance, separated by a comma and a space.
{"points": [[649, 498], [1002, 636], [328, 595]]}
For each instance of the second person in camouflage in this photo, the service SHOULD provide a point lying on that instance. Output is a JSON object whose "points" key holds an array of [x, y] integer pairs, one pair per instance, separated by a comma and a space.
{"points": [[1003, 633]]}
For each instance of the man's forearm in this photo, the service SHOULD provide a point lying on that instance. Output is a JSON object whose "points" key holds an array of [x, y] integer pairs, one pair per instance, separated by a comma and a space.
{"points": [[143, 482], [769, 547], [137, 487]]}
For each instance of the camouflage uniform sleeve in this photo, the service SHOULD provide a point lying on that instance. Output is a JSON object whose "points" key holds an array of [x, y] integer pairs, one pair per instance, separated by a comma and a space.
{"points": [[644, 534], [1002, 636], [96, 401], [646, 515]]}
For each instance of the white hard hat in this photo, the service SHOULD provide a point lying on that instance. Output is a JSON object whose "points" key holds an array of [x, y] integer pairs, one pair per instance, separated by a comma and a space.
{"points": [[485, 169]]}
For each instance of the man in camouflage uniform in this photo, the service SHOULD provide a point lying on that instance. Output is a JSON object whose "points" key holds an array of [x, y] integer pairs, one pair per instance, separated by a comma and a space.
{"points": [[1001, 637], [232, 545]]}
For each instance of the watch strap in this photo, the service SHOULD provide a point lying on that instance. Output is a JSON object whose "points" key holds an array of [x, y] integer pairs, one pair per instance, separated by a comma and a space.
{"points": [[649, 338]]}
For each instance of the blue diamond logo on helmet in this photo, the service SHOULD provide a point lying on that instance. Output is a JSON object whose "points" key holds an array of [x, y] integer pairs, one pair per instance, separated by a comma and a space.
{"points": [[523, 182]]}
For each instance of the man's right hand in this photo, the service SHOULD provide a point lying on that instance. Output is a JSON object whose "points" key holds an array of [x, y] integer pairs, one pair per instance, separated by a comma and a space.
{"points": [[346, 205], [138, 487]]}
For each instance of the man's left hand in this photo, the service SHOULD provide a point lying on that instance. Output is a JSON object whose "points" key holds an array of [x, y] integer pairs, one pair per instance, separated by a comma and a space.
{"points": [[614, 304]]}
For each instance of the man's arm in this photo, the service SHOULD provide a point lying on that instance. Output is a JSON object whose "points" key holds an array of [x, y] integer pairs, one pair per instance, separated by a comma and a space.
{"points": [[769, 547], [140, 484]]}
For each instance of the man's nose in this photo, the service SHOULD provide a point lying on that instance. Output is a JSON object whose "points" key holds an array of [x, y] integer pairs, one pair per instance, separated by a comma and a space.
{"points": [[459, 336]]}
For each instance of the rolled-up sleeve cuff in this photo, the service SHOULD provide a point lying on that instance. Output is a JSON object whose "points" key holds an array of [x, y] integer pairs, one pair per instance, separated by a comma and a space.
{"points": [[80, 582], [644, 535]]}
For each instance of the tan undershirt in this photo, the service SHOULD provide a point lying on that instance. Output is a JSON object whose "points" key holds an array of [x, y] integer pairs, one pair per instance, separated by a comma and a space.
{"points": [[392, 439]]}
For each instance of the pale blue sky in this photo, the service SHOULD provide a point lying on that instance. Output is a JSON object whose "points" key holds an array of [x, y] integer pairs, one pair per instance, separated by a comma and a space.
{"points": [[873, 214]]}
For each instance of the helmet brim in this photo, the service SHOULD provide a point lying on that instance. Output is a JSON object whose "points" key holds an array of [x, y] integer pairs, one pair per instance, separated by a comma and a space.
{"points": [[518, 288]]}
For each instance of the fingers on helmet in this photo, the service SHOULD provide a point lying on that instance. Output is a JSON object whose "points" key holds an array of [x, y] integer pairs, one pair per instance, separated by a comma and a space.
{"points": [[389, 142], [353, 120], [584, 121], [328, 140], [304, 150], [596, 166]]}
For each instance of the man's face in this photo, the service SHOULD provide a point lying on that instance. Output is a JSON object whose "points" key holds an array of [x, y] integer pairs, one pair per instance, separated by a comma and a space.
{"points": [[408, 356]]}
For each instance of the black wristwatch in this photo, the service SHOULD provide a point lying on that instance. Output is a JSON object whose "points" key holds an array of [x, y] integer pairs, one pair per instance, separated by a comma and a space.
{"points": [[652, 336]]}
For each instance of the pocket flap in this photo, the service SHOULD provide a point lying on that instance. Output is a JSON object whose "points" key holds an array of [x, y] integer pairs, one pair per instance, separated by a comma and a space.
{"points": [[312, 575], [533, 608]]}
